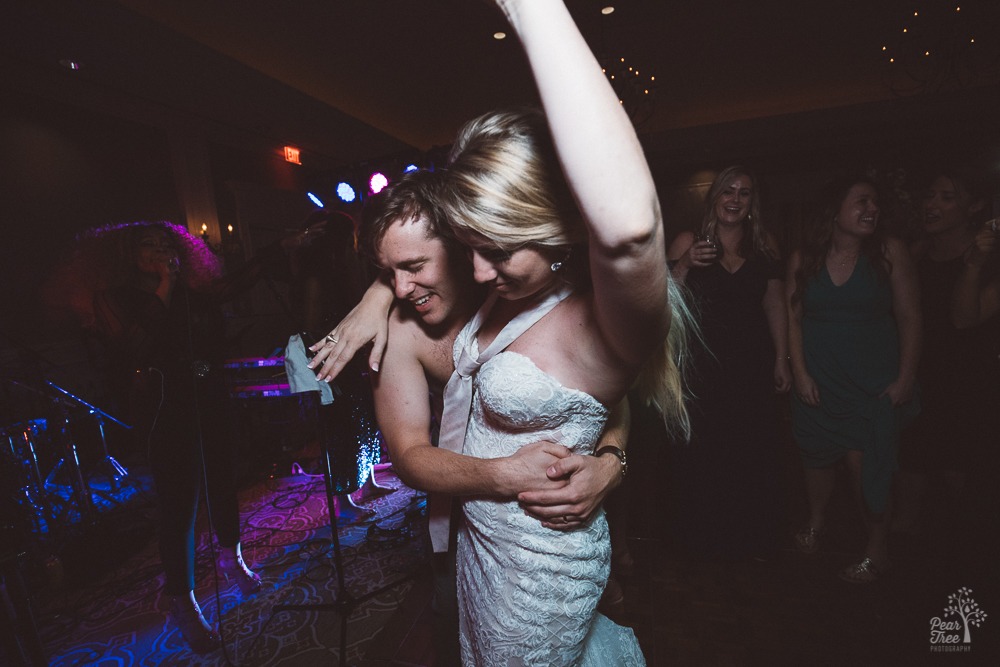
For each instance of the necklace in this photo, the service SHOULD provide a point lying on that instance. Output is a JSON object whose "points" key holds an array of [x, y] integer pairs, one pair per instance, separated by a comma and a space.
{"points": [[849, 259]]}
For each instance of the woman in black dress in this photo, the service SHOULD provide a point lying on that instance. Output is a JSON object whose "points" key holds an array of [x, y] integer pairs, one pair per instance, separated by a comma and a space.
{"points": [[728, 493], [959, 367]]}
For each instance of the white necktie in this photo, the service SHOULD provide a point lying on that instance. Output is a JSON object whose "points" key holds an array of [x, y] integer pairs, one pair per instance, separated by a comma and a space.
{"points": [[458, 393]]}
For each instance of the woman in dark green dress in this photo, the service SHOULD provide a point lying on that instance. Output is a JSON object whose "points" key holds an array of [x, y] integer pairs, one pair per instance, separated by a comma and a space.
{"points": [[854, 342]]}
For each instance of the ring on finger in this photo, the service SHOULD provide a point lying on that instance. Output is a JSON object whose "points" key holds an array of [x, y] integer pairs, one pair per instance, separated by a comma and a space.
{"points": [[330, 338]]}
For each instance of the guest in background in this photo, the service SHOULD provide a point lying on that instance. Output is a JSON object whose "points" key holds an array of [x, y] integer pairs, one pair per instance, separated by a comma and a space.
{"points": [[977, 294], [854, 342], [152, 293], [958, 367], [729, 496]]}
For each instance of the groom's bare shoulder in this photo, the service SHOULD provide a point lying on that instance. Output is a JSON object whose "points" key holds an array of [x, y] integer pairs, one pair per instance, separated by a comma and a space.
{"points": [[411, 339]]}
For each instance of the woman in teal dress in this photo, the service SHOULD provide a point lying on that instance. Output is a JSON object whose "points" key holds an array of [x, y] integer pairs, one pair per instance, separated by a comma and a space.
{"points": [[854, 342]]}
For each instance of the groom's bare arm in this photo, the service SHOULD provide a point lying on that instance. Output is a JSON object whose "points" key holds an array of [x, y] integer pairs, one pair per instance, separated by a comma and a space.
{"points": [[403, 412]]}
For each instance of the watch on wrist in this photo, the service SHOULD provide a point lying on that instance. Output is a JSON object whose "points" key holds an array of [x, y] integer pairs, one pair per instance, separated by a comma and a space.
{"points": [[618, 453]]}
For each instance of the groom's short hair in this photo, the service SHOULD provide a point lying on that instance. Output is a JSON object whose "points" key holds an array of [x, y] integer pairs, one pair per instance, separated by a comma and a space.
{"points": [[417, 194]]}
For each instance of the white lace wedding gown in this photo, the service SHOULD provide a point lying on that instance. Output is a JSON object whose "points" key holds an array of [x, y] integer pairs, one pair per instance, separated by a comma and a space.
{"points": [[527, 594]]}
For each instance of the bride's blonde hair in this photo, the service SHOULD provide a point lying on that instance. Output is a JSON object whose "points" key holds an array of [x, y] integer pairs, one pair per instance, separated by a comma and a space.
{"points": [[504, 183]]}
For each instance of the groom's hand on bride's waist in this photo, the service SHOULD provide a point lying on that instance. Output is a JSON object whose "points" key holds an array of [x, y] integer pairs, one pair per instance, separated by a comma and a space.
{"points": [[578, 486]]}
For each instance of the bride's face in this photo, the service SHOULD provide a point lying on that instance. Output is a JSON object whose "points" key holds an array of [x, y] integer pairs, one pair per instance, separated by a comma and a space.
{"points": [[514, 275]]}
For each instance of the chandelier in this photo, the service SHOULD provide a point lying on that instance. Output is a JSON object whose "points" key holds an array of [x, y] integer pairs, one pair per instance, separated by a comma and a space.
{"points": [[941, 49]]}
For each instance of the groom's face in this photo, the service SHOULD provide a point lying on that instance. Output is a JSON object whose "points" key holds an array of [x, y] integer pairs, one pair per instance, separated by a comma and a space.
{"points": [[426, 272]]}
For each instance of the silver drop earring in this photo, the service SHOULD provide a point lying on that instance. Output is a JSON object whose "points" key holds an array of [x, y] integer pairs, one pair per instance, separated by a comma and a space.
{"points": [[555, 266]]}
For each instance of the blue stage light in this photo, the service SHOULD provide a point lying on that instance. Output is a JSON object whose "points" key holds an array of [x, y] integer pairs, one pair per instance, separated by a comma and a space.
{"points": [[316, 200], [346, 192]]}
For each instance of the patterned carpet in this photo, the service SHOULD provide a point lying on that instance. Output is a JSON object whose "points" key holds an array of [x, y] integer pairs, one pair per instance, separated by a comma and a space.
{"points": [[119, 618]]}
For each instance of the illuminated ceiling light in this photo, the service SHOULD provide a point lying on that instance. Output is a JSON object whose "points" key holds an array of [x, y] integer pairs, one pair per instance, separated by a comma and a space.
{"points": [[377, 182], [884, 48], [229, 228], [499, 34], [69, 63], [927, 53], [607, 10], [346, 192], [316, 200], [905, 30]]}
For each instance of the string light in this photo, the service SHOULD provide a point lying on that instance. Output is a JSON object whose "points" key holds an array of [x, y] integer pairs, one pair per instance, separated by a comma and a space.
{"points": [[934, 51], [634, 91]]}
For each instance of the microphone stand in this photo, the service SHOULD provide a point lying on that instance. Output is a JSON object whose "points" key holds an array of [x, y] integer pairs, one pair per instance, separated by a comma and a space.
{"points": [[345, 603]]}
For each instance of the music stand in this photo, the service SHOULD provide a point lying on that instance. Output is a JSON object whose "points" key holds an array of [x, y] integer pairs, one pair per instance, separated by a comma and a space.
{"points": [[345, 603]]}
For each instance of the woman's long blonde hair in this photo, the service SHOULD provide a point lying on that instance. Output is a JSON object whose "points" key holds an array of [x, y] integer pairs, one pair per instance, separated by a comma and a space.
{"points": [[754, 236], [504, 183]]}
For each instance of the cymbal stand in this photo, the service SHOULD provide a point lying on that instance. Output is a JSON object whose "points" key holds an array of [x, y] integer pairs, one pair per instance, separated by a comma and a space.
{"points": [[115, 470], [33, 492], [71, 462]]}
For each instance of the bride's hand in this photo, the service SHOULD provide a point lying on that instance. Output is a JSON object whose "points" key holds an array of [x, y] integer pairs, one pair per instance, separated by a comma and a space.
{"points": [[366, 323]]}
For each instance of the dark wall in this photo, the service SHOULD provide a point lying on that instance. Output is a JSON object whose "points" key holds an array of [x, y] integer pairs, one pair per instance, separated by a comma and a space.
{"points": [[64, 170]]}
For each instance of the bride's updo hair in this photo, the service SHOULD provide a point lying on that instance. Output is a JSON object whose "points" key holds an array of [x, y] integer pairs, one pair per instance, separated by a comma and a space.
{"points": [[505, 183]]}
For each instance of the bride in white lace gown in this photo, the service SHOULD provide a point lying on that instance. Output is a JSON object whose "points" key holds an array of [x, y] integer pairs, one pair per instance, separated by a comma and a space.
{"points": [[560, 216], [528, 594]]}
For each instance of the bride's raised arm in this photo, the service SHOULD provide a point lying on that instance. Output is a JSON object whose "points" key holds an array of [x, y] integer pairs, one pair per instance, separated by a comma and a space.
{"points": [[600, 154]]}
